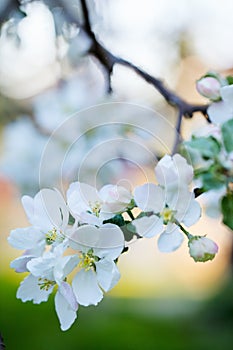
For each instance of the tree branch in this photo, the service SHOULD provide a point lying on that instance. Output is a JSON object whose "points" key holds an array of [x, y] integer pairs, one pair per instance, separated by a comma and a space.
{"points": [[108, 60]]}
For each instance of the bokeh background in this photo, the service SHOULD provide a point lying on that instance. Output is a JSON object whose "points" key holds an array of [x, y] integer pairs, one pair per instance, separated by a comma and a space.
{"points": [[58, 124]]}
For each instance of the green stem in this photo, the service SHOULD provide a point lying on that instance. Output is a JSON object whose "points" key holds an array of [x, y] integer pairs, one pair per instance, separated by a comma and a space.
{"points": [[189, 236]]}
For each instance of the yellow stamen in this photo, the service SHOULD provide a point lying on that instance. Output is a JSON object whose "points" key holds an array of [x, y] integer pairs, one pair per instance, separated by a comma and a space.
{"points": [[54, 235], [87, 260], [168, 215], [45, 284], [95, 208]]}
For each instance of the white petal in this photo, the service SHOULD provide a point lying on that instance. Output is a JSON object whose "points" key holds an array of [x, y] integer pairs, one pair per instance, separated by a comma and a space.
{"points": [[106, 213], [108, 274], [20, 264], [227, 94], [184, 170], [86, 289], [42, 266], [115, 198], [114, 193], [65, 313], [107, 240], [66, 290], [50, 209], [37, 250], [30, 290], [28, 204], [188, 210], [170, 240], [219, 112], [89, 218], [148, 226], [80, 196], [25, 238], [149, 197], [47, 210], [65, 266], [173, 171], [192, 214]]}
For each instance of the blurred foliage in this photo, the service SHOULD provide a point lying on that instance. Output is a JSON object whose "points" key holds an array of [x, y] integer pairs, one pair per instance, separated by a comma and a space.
{"points": [[119, 324], [11, 109]]}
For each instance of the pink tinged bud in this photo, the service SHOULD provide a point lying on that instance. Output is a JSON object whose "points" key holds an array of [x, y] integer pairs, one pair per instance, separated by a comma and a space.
{"points": [[209, 87], [202, 248]]}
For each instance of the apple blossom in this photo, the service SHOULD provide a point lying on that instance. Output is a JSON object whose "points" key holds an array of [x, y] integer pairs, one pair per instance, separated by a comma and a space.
{"points": [[47, 271], [48, 215], [202, 248], [165, 208], [93, 207], [99, 248], [48, 212]]}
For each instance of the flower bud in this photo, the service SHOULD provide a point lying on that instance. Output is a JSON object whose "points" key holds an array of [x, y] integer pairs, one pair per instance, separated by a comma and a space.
{"points": [[202, 248], [209, 87]]}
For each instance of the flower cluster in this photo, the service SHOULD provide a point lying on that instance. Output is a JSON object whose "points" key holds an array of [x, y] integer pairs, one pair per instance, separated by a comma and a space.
{"points": [[211, 147], [85, 235]]}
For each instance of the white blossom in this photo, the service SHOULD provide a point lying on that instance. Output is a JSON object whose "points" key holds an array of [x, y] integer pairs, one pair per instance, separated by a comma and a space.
{"points": [[99, 248], [168, 208], [48, 212], [93, 207], [47, 271]]}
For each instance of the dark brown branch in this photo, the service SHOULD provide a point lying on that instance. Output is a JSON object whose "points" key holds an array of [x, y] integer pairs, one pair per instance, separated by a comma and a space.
{"points": [[108, 60]]}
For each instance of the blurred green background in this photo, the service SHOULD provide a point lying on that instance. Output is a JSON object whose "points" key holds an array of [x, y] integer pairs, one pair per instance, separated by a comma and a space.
{"points": [[120, 323]]}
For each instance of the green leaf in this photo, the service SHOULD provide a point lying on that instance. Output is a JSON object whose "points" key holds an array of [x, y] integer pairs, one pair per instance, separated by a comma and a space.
{"points": [[129, 232], [212, 178], [227, 210], [117, 220], [207, 146], [229, 79], [227, 134]]}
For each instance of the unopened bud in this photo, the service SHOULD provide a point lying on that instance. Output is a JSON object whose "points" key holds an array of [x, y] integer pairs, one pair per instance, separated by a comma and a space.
{"points": [[209, 87], [202, 248]]}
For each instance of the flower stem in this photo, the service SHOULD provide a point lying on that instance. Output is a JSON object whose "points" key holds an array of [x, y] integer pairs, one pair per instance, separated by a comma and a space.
{"points": [[189, 236]]}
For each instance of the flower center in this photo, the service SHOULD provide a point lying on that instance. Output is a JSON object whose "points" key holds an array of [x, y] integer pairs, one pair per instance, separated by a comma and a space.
{"points": [[54, 236], [168, 215], [87, 260], [95, 208], [45, 284]]}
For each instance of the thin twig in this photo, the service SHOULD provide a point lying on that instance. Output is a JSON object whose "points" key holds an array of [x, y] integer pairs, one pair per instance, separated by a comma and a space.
{"points": [[108, 60]]}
